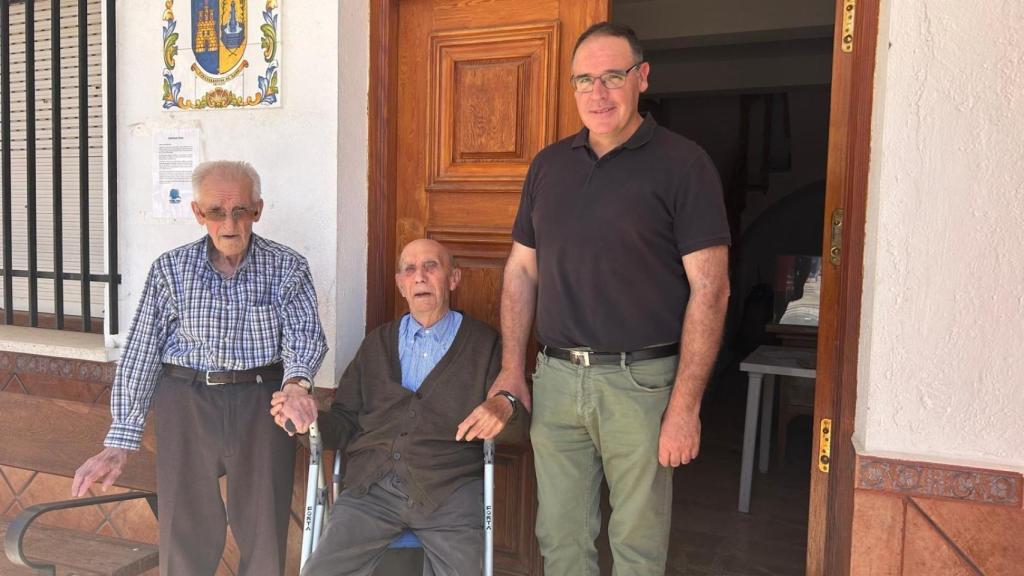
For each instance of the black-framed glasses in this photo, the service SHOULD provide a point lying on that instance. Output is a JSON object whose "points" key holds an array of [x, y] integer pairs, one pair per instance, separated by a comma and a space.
{"points": [[612, 79], [220, 214]]}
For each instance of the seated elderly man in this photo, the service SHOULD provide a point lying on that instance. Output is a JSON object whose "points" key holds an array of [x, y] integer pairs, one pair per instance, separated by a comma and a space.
{"points": [[404, 411]]}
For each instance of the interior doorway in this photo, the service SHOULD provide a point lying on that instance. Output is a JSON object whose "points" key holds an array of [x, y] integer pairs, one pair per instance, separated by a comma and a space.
{"points": [[755, 94]]}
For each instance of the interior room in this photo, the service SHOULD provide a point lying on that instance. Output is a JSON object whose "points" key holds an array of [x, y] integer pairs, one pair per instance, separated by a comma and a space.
{"points": [[751, 85]]}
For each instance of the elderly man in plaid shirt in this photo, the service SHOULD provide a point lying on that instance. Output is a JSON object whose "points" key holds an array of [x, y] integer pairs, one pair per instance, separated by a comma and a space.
{"points": [[224, 322]]}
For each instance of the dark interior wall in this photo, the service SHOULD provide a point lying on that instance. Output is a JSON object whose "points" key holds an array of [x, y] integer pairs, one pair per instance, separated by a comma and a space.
{"points": [[786, 216], [715, 122]]}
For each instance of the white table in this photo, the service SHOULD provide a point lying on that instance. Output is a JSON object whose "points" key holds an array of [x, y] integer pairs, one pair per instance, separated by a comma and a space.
{"points": [[767, 361]]}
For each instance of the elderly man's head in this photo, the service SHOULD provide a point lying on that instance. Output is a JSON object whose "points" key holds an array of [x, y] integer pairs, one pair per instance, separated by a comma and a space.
{"points": [[227, 201], [426, 276]]}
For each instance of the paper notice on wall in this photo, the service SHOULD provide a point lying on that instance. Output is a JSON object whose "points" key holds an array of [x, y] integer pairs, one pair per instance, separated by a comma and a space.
{"points": [[177, 154]]}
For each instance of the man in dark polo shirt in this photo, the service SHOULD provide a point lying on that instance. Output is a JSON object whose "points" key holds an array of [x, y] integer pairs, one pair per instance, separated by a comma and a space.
{"points": [[621, 249]]}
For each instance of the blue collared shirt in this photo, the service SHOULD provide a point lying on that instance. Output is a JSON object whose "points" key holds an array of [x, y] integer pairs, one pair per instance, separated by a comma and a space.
{"points": [[420, 349], [192, 316]]}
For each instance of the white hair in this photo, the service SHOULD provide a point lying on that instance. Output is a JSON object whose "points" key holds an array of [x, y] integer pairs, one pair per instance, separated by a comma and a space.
{"points": [[238, 171]]}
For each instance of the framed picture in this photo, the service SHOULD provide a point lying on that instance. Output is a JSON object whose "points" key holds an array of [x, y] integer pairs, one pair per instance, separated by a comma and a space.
{"points": [[797, 290]]}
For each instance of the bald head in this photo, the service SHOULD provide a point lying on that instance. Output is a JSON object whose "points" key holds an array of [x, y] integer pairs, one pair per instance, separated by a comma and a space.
{"points": [[426, 276], [427, 243]]}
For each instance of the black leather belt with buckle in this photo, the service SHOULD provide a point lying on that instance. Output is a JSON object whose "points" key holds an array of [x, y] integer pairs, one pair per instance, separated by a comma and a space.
{"points": [[270, 372], [587, 358]]}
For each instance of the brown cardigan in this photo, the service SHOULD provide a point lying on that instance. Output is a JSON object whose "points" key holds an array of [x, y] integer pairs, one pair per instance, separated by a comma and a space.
{"points": [[386, 427]]}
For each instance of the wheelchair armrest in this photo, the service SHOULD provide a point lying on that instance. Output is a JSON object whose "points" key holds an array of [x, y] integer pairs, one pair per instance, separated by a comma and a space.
{"points": [[19, 526]]}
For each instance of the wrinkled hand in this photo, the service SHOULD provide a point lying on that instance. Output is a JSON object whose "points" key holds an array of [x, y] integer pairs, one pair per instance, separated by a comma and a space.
{"points": [[679, 441], [104, 467], [486, 420], [295, 404], [515, 382]]}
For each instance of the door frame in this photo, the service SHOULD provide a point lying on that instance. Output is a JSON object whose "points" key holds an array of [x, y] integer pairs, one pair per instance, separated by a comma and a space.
{"points": [[381, 172], [830, 522], [830, 519]]}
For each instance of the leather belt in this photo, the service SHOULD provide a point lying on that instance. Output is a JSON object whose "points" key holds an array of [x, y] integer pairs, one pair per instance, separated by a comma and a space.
{"points": [[217, 378], [587, 358]]}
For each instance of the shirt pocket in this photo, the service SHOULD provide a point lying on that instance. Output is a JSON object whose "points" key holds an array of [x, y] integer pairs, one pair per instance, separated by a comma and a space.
{"points": [[263, 328]]}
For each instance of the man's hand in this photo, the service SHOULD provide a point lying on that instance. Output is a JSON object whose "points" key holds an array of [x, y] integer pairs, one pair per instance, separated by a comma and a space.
{"points": [[679, 441], [295, 404], [486, 420], [104, 467], [514, 381]]}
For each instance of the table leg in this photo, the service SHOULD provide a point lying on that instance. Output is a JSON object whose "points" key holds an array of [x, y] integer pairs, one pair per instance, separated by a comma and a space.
{"points": [[767, 404], [749, 437]]}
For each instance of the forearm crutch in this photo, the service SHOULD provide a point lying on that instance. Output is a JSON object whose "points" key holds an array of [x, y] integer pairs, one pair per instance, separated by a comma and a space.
{"points": [[316, 496], [488, 507]]}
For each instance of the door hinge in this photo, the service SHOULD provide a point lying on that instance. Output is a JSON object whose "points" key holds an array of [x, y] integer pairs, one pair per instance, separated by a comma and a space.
{"points": [[825, 445], [835, 251], [849, 13]]}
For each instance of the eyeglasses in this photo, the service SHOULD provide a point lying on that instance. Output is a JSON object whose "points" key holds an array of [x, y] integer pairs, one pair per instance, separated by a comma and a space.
{"points": [[220, 215], [409, 270], [612, 80]]}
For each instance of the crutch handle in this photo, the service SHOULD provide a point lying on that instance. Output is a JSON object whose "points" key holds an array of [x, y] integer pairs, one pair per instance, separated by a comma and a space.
{"points": [[290, 427]]}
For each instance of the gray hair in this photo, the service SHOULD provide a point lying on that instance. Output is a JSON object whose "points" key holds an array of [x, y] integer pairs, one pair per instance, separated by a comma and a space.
{"points": [[237, 171]]}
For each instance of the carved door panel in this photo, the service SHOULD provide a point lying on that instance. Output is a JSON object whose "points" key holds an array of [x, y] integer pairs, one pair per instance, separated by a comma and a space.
{"points": [[481, 88]]}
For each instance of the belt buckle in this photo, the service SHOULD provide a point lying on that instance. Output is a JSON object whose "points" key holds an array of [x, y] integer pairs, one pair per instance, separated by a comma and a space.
{"points": [[578, 357], [208, 383]]}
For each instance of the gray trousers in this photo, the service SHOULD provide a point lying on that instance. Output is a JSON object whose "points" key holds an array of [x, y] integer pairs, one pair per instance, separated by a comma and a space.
{"points": [[360, 528], [205, 432]]}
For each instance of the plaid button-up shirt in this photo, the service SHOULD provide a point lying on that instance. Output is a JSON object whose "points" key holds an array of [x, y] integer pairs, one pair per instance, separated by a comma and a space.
{"points": [[190, 315]]}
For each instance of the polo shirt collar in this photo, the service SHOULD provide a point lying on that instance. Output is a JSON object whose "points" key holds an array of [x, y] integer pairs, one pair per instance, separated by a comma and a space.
{"points": [[642, 135]]}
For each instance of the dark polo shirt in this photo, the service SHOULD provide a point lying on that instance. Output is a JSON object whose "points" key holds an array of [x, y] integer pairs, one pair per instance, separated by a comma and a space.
{"points": [[610, 234]]}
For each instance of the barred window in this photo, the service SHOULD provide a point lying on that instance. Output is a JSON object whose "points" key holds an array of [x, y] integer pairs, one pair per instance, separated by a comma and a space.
{"points": [[54, 208]]}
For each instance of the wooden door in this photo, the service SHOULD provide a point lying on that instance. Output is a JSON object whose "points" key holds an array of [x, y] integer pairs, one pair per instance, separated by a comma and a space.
{"points": [[830, 517], [481, 87]]}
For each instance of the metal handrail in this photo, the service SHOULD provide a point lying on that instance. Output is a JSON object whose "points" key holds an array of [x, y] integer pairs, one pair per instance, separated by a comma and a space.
{"points": [[14, 540]]}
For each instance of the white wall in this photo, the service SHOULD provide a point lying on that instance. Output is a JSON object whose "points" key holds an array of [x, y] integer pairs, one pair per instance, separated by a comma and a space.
{"points": [[941, 373], [311, 154]]}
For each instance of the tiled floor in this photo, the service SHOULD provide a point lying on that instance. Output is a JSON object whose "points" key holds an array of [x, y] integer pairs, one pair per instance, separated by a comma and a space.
{"points": [[709, 536]]}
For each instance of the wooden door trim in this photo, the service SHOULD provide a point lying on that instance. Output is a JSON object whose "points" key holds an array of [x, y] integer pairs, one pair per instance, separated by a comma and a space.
{"points": [[830, 529], [382, 175]]}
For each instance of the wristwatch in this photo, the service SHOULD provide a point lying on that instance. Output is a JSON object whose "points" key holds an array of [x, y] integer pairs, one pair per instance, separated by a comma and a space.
{"points": [[301, 383], [512, 399]]}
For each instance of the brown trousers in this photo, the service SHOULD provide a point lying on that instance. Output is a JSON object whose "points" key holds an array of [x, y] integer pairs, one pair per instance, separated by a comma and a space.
{"points": [[205, 432]]}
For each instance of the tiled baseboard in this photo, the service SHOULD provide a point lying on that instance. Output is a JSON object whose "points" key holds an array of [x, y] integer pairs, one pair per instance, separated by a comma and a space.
{"points": [[916, 518], [939, 481]]}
